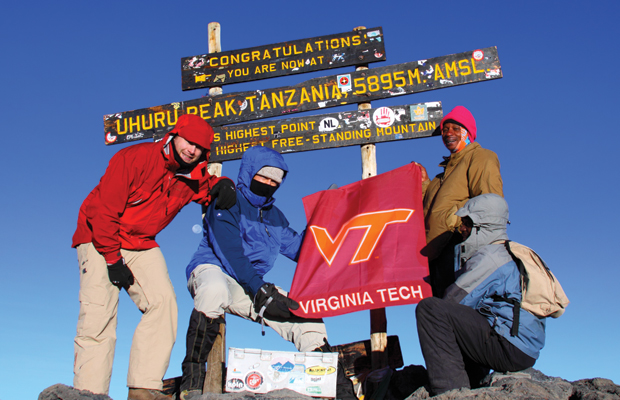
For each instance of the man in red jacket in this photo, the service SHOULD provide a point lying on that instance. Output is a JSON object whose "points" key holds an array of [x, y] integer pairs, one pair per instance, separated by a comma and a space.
{"points": [[142, 190]]}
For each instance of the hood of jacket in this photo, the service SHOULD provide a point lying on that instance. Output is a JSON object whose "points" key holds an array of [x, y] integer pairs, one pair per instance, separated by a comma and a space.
{"points": [[198, 172], [253, 160], [194, 129], [489, 213]]}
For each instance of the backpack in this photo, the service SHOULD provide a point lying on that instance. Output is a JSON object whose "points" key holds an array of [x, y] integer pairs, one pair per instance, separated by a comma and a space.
{"points": [[541, 292]]}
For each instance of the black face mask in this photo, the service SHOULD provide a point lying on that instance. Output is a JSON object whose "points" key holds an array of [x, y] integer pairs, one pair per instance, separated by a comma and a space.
{"points": [[262, 189]]}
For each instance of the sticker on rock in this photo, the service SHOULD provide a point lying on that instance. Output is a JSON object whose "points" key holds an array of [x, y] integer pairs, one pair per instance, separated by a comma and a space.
{"points": [[297, 377], [282, 365], [234, 384], [315, 380], [279, 369], [314, 390], [320, 370], [254, 380]]}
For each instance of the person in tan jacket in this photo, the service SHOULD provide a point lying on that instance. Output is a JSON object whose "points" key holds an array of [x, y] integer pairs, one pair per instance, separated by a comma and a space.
{"points": [[469, 171]]}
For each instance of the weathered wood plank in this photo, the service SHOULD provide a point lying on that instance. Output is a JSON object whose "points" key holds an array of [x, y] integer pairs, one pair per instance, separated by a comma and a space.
{"points": [[355, 87], [286, 58]]}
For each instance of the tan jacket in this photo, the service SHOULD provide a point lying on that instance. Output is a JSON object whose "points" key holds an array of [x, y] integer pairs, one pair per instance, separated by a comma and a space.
{"points": [[469, 173]]}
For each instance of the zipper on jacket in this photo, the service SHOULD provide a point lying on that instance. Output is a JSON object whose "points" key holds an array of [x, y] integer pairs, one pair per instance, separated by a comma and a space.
{"points": [[261, 221], [168, 194]]}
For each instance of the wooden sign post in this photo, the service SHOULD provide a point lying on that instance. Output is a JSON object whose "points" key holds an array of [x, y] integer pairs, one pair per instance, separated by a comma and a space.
{"points": [[378, 320], [216, 362]]}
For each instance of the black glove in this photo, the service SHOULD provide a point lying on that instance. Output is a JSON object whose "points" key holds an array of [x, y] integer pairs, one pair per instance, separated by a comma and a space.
{"points": [[120, 275], [226, 194], [272, 304]]}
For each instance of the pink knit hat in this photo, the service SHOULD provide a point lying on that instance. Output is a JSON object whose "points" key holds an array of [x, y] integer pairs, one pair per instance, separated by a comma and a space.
{"points": [[463, 117]]}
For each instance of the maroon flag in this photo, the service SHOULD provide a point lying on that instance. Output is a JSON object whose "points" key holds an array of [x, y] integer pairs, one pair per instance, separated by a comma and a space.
{"points": [[362, 247]]}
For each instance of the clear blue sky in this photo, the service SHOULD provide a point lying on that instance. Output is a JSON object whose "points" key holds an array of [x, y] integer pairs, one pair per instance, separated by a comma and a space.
{"points": [[550, 120]]}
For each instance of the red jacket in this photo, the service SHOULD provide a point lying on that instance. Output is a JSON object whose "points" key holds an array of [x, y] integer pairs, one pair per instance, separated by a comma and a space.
{"points": [[137, 197]]}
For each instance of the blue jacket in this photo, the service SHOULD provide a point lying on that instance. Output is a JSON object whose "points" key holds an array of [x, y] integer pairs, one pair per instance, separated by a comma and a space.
{"points": [[489, 271], [246, 239]]}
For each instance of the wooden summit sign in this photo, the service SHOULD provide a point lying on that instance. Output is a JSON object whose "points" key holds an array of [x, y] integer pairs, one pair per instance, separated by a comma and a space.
{"points": [[345, 128], [286, 58], [355, 87]]}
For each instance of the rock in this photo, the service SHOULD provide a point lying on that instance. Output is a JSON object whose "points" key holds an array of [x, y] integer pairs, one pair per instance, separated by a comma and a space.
{"points": [[530, 384], [283, 394], [63, 392], [595, 389]]}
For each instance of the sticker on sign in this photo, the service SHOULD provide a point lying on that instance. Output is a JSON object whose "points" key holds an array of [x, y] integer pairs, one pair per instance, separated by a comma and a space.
{"points": [[344, 82], [383, 117], [262, 371]]}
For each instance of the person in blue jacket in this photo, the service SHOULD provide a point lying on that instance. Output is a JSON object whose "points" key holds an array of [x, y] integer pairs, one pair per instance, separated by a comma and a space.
{"points": [[468, 332], [226, 273]]}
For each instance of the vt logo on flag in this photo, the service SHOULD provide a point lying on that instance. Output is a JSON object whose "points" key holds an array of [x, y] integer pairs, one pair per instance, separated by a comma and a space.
{"points": [[372, 223], [362, 247]]}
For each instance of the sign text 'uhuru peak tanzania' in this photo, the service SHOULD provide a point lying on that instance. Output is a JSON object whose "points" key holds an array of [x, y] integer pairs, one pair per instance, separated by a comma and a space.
{"points": [[355, 87]]}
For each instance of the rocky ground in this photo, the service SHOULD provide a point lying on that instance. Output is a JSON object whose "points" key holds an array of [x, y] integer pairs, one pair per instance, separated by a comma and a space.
{"points": [[405, 384]]}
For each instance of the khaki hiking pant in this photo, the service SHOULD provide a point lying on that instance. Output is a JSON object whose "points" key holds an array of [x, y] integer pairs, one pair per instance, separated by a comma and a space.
{"points": [[215, 293], [95, 340]]}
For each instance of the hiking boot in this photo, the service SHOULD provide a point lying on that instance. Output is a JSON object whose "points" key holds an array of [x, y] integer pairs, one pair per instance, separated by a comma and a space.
{"points": [[146, 394], [193, 394], [201, 335]]}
